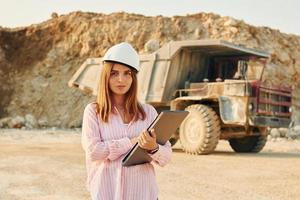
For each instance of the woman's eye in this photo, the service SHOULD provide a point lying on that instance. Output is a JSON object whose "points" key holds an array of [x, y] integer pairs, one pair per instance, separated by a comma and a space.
{"points": [[113, 73], [128, 73]]}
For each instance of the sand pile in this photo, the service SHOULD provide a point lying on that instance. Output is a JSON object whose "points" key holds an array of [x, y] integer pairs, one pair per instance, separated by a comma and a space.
{"points": [[37, 61]]}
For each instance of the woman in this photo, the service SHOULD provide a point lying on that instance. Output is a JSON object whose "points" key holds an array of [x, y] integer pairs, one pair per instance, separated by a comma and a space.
{"points": [[112, 125]]}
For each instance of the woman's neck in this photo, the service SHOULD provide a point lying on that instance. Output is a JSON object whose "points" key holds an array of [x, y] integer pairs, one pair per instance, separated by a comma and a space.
{"points": [[119, 101]]}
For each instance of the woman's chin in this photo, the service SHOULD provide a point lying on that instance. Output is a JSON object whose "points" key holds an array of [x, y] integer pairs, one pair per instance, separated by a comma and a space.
{"points": [[120, 92]]}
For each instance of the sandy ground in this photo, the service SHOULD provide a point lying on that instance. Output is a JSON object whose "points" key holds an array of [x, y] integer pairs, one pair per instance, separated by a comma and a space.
{"points": [[49, 164]]}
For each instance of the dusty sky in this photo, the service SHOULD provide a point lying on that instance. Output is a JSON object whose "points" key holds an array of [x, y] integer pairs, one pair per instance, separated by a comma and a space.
{"points": [[278, 14]]}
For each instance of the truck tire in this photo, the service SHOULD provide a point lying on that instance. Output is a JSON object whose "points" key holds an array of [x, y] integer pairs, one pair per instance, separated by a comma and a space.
{"points": [[248, 144], [173, 141], [200, 131]]}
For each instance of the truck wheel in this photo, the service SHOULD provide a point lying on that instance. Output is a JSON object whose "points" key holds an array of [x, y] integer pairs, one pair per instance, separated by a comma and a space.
{"points": [[200, 131], [252, 144], [173, 141]]}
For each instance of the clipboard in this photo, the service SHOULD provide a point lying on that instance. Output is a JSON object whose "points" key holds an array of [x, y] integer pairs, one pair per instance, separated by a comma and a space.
{"points": [[165, 124]]}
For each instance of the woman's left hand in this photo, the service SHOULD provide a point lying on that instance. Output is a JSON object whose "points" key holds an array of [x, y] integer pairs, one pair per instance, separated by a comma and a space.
{"points": [[147, 141]]}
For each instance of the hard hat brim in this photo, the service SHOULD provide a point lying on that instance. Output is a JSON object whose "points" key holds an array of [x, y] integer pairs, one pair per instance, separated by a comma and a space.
{"points": [[113, 61]]}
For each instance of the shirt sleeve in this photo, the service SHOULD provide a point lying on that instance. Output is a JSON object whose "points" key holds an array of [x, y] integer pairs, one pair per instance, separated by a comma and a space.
{"points": [[95, 148], [163, 155]]}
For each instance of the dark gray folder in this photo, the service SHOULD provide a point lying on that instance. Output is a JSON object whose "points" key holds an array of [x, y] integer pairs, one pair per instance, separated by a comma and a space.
{"points": [[164, 125]]}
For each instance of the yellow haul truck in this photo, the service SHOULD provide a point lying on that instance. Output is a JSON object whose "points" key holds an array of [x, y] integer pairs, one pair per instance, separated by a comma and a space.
{"points": [[218, 82]]}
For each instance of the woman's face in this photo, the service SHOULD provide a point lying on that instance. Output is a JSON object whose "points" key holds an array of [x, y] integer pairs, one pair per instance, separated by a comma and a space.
{"points": [[120, 79]]}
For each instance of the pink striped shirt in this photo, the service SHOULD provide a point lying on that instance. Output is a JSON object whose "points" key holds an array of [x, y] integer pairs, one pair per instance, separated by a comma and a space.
{"points": [[105, 146]]}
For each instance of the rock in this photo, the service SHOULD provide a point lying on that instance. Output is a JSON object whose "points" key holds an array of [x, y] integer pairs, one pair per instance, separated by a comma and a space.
{"points": [[297, 128], [279, 139], [293, 135], [2, 55], [274, 139], [230, 22], [17, 122], [269, 137], [214, 31], [43, 122], [5, 122], [151, 46], [274, 133], [283, 132], [30, 121], [197, 33], [283, 56], [54, 15], [297, 66], [74, 124], [44, 85], [38, 82], [294, 132], [233, 30], [28, 125]]}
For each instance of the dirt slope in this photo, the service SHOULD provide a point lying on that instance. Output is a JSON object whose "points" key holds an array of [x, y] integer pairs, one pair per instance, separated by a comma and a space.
{"points": [[37, 61]]}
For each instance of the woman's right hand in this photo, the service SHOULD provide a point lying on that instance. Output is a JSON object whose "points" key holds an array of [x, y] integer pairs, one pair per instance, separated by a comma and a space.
{"points": [[148, 141]]}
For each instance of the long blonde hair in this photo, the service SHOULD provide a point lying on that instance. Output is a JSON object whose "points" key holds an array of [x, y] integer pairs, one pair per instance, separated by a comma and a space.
{"points": [[133, 109]]}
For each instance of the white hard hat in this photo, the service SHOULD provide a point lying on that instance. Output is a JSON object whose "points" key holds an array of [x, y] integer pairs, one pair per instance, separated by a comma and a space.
{"points": [[123, 53]]}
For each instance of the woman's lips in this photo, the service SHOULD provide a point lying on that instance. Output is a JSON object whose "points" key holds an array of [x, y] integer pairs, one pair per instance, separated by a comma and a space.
{"points": [[121, 86]]}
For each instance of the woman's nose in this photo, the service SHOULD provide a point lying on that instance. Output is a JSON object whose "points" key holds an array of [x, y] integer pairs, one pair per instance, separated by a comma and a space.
{"points": [[120, 77]]}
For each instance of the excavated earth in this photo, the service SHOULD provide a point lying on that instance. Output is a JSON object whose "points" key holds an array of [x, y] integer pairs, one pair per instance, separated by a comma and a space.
{"points": [[37, 61]]}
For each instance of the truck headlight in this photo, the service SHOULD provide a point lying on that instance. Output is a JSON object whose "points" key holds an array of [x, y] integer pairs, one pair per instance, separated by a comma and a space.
{"points": [[250, 106]]}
